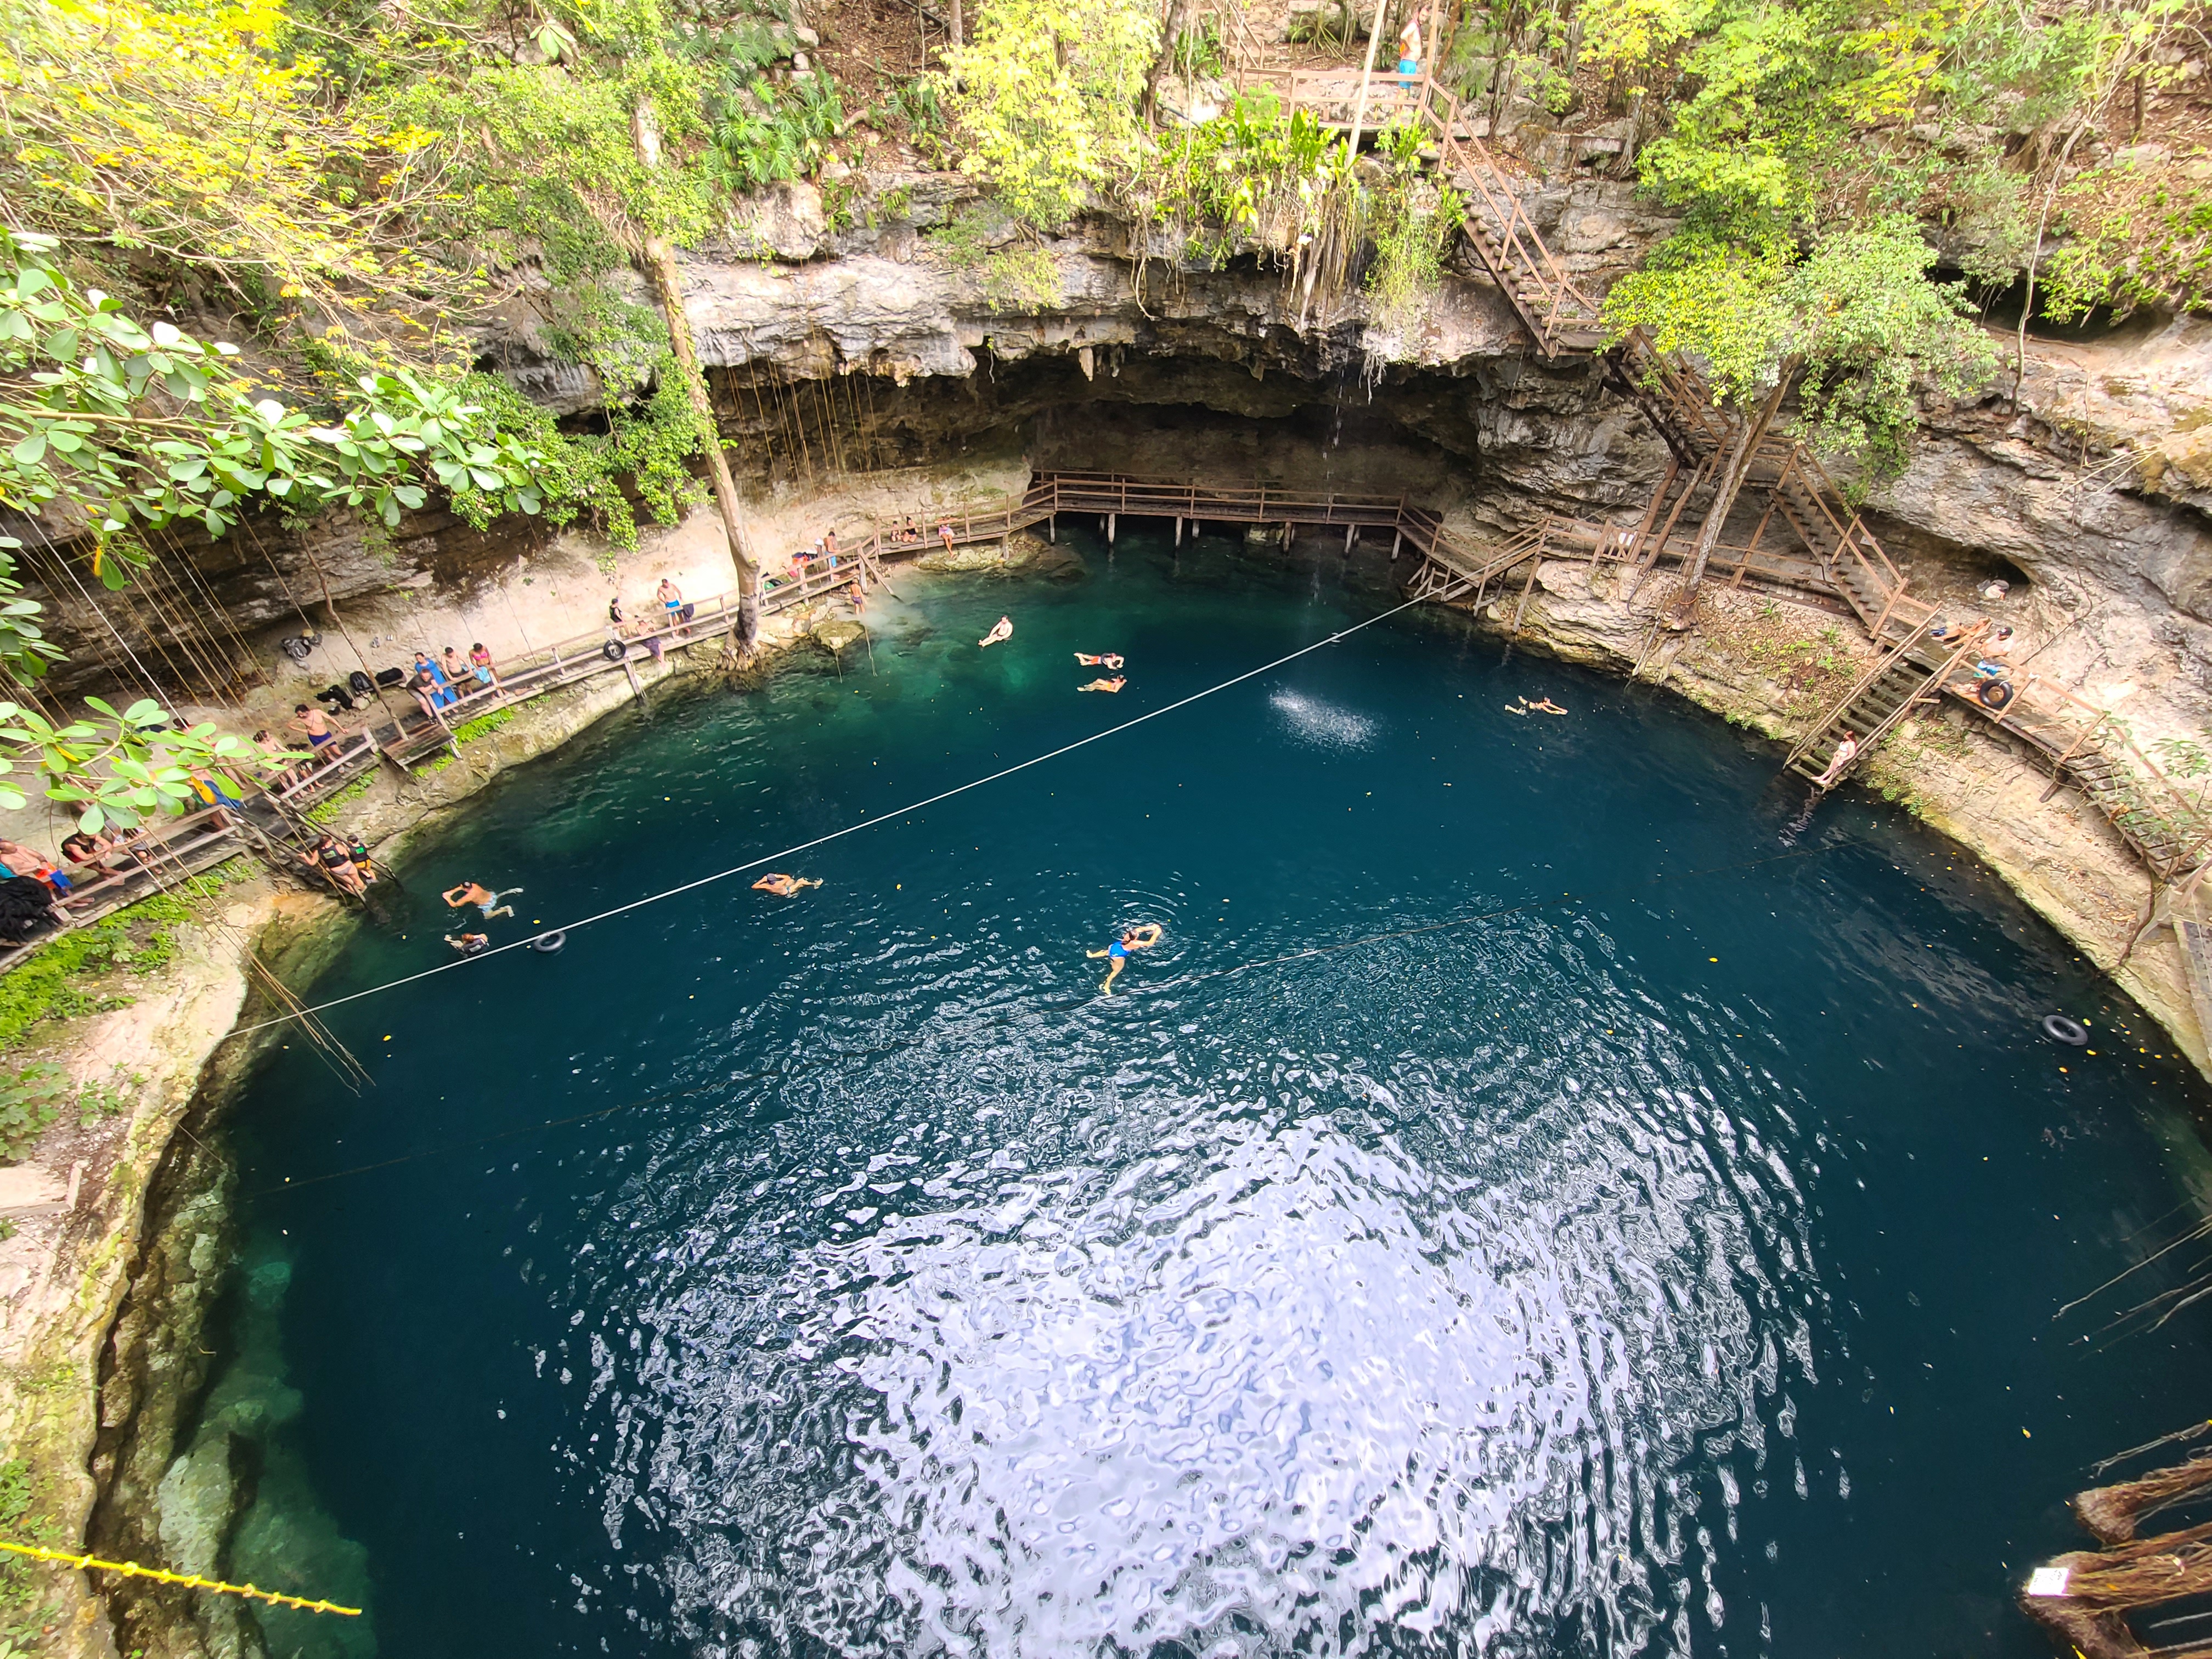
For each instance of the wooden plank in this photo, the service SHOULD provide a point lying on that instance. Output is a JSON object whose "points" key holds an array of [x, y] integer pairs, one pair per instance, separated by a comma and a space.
{"points": [[2197, 964]]}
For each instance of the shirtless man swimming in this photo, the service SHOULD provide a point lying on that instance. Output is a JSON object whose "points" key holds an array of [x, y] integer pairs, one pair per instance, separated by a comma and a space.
{"points": [[1001, 630], [1134, 938], [476, 893], [784, 886], [1107, 659], [1114, 684]]}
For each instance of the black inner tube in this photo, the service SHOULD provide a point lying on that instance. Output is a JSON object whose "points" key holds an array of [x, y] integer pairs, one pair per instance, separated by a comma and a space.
{"points": [[614, 650], [550, 942], [2060, 1028]]}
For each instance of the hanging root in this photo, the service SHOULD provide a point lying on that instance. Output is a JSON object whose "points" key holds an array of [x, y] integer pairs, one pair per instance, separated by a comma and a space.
{"points": [[2109, 1514]]}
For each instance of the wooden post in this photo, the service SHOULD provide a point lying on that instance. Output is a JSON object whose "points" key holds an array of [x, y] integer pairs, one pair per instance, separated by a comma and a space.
{"points": [[636, 689], [1110, 518], [1896, 593], [1052, 528], [1350, 532], [1178, 530], [1396, 537], [1729, 486]]}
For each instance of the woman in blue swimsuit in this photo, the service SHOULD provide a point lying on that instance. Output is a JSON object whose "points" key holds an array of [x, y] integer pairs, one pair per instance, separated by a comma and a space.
{"points": [[1136, 939]]}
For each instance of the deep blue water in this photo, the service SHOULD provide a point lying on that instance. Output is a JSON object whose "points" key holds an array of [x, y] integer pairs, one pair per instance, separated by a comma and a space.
{"points": [[1669, 1267]]}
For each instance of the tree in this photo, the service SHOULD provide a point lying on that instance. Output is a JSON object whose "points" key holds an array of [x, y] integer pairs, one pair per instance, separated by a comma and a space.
{"points": [[1048, 97], [125, 425], [1855, 324]]}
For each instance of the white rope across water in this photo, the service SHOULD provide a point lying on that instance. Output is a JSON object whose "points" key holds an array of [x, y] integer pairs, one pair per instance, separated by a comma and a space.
{"points": [[850, 829]]}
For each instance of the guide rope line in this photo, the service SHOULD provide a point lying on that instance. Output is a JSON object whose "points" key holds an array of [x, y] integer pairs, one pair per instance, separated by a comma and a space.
{"points": [[291, 1185], [853, 828], [163, 1576]]}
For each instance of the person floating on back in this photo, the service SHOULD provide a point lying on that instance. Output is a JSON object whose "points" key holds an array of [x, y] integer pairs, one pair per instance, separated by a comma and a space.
{"points": [[1001, 630], [784, 886], [1117, 953], [1114, 684], [469, 944], [1105, 660], [1545, 706], [470, 892]]}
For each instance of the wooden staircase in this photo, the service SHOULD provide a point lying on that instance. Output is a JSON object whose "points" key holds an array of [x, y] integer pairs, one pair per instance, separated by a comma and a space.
{"points": [[1916, 670]]}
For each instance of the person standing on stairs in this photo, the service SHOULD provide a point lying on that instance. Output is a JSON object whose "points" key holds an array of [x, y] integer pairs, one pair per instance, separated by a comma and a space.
{"points": [[1409, 54], [1847, 751]]}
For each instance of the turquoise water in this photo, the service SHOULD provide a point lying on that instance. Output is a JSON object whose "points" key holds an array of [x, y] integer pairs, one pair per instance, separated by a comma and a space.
{"points": [[1668, 1263]]}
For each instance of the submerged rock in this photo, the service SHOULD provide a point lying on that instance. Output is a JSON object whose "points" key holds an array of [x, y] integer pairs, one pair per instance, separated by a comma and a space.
{"points": [[982, 556], [834, 635]]}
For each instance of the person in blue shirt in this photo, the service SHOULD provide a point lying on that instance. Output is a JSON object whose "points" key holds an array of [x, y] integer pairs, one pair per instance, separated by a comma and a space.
{"points": [[1117, 953]]}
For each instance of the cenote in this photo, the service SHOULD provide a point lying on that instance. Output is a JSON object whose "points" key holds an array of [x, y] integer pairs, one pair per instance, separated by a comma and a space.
{"points": [[1665, 1257]]}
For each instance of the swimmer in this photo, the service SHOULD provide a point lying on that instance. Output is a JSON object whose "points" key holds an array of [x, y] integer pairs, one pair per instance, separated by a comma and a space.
{"points": [[1545, 706], [1134, 938], [1002, 629], [783, 886], [1114, 684], [1106, 660], [1518, 706], [483, 897], [470, 944]]}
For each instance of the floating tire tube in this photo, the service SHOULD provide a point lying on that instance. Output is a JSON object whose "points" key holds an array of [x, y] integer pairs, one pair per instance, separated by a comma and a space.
{"points": [[548, 942], [2060, 1029]]}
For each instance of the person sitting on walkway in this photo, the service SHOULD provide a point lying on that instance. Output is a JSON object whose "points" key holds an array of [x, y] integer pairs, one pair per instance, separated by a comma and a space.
{"points": [[22, 861], [459, 675], [784, 886], [476, 893], [424, 685], [470, 945], [1105, 660], [1847, 751], [910, 531], [335, 862], [945, 533], [26, 905], [1001, 630], [88, 852], [1104, 684], [1134, 938], [480, 665]]}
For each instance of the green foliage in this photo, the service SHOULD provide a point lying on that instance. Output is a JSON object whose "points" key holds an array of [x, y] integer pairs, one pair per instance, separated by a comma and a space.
{"points": [[117, 767], [1628, 40], [642, 461], [55, 981], [1254, 173], [483, 725], [111, 1098], [15, 1492], [324, 813], [205, 149], [1047, 98], [760, 133], [149, 425], [2139, 237], [29, 1101], [1857, 317], [1413, 225]]}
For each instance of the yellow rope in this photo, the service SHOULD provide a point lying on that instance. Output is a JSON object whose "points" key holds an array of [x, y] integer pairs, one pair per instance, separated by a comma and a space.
{"points": [[162, 1576]]}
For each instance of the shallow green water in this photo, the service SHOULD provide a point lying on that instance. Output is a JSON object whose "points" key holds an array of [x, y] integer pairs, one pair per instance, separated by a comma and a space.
{"points": [[1667, 1268]]}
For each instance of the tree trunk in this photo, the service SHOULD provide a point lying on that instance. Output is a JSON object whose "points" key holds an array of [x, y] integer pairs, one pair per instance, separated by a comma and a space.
{"points": [[952, 26], [1165, 60], [1724, 493], [660, 265]]}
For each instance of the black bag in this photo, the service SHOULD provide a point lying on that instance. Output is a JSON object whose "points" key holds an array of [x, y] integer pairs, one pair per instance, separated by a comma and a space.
{"points": [[336, 697], [391, 675], [360, 683]]}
